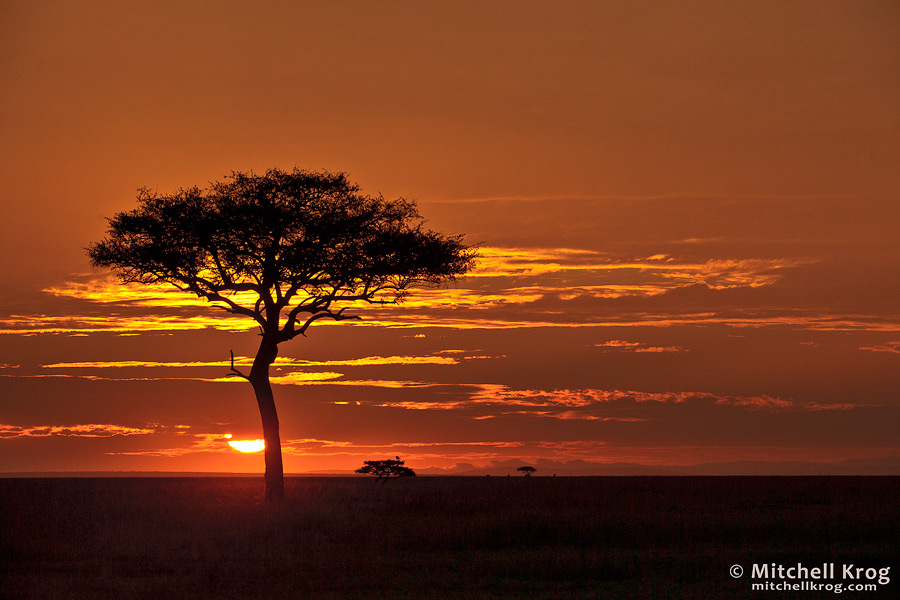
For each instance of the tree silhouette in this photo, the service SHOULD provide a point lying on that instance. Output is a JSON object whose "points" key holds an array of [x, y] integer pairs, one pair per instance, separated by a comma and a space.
{"points": [[284, 249], [386, 470], [526, 470]]}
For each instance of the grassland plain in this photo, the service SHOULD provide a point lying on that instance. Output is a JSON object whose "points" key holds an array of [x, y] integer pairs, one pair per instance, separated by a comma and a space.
{"points": [[436, 537]]}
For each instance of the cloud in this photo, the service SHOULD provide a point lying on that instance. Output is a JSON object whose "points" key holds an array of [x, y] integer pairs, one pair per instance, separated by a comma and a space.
{"points": [[426, 405], [488, 401], [629, 198], [122, 325], [245, 361], [526, 319], [106, 289], [455, 320], [302, 377], [511, 287], [655, 269], [283, 374], [891, 347], [290, 378], [199, 442], [619, 344], [241, 361], [373, 360], [494, 262], [565, 415], [93, 430], [777, 404], [623, 346], [662, 349]]}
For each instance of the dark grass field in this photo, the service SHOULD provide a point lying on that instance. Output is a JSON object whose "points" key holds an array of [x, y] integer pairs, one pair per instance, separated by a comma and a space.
{"points": [[434, 538]]}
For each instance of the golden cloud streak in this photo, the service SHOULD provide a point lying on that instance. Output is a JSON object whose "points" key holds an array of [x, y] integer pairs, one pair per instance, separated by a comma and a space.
{"points": [[658, 273], [816, 323], [154, 323], [382, 383], [291, 378], [717, 273], [247, 361], [623, 346], [202, 442], [373, 360], [242, 361], [93, 430], [303, 378], [63, 324], [568, 403], [492, 262], [108, 289], [411, 405]]}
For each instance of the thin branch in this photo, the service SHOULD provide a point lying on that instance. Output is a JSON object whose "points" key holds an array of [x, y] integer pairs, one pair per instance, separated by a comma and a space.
{"points": [[231, 286], [338, 316], [223, 273], [233, 307], [290, 293], [311, 305], [234, 369]]}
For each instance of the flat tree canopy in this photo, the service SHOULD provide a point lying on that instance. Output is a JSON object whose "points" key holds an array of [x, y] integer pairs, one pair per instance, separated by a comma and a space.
{"points": [[386, 470], [284, 249], [301, 241]]}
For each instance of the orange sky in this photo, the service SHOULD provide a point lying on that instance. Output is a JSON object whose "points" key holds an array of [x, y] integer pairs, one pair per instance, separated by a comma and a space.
{"points": [[688, 216]]}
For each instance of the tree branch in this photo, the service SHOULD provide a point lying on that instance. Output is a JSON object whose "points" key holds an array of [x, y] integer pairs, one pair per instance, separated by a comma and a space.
{"points": [[233, 307], [337, 316], [234, 369], [310, 305], [212, 293], [223, 274]]}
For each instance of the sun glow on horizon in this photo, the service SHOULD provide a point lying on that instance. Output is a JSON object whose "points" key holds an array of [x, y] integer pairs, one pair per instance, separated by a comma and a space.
{"points": [[247, 445]]}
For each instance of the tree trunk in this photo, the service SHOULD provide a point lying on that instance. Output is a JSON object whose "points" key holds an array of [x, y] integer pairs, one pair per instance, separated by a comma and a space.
{"points": [[259, 378]]}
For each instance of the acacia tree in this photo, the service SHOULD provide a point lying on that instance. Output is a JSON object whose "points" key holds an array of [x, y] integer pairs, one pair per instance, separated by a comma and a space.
{"points": [[527, 470], [284, 249], [385, 470]]}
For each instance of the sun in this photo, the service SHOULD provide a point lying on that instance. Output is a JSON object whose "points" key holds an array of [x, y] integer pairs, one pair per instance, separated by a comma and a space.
{"points": [[248, 445]]}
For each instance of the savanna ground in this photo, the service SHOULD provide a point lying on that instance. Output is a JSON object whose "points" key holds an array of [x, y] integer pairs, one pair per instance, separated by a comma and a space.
{"points": [[435, 538]]}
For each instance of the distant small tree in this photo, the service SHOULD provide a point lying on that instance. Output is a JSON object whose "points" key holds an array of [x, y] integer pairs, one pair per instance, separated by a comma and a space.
{"points": [[385, 470], [526, 470]]}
